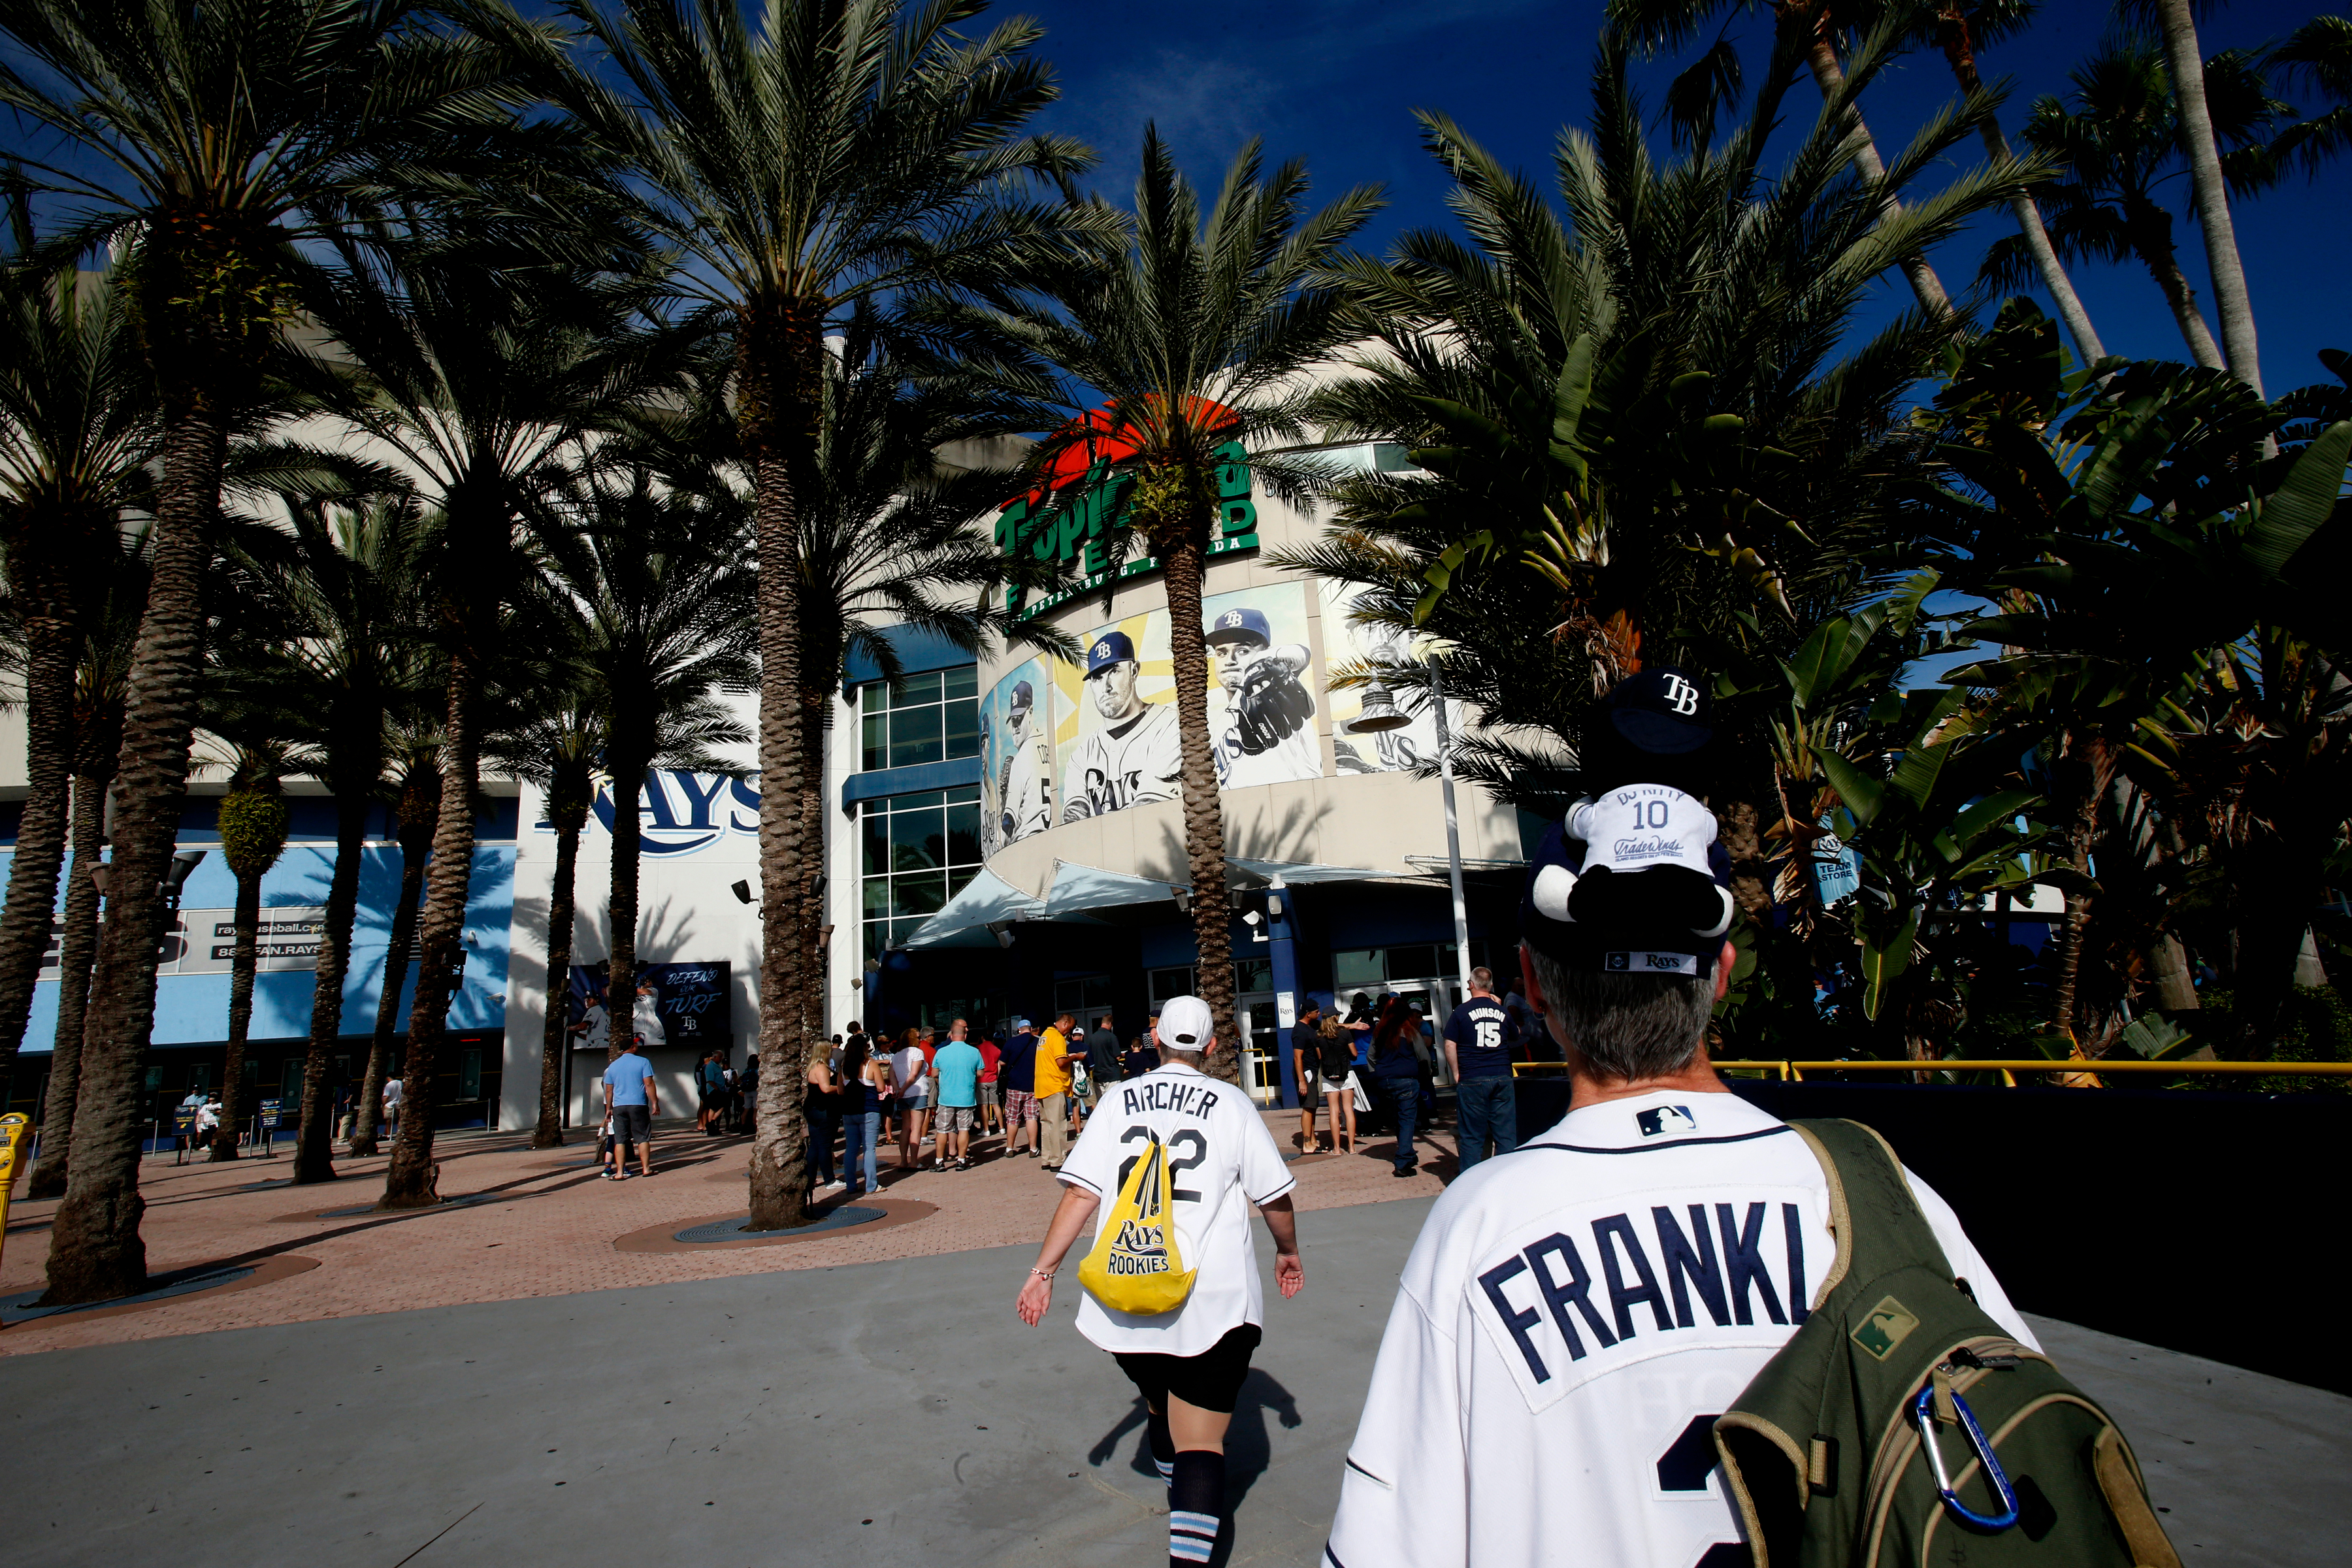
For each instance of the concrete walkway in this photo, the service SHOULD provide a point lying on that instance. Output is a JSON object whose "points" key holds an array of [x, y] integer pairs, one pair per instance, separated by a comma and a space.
{"points": [[885, 1413]]}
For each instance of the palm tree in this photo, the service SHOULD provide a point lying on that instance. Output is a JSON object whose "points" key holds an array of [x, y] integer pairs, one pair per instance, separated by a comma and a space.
{"points": [[663, 608], [76, 427], [253, 823], [1802, 29], [417, 805], [2116, 139], [487, 386], [1620, 394], [350, 599], [1962, 28], [2318, 56], [842, 149], [100, 688], [218, 142], [1192, 332], [558, 751], [2177, 21]]}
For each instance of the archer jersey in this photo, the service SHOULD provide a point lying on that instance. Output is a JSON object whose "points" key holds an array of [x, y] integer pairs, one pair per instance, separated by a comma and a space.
{"points": [[1023, 793], [1572, 1320], [1221, 1162], [1128, 765], [1296, 756]]}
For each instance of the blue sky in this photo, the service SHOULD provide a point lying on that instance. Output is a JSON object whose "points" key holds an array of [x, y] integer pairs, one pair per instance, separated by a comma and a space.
{"points": [[1335, 84]]}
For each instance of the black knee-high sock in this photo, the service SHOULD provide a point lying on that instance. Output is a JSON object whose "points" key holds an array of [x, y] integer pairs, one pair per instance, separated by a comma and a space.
{"points": [[1163, 1446], [1196, 1504]]}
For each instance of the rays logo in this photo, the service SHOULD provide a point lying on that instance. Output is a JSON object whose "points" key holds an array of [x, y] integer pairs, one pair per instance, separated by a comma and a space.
{"points": [[1681, 696], [1102, 650], [1230, 618], [680, 813], [1663, 1119]]}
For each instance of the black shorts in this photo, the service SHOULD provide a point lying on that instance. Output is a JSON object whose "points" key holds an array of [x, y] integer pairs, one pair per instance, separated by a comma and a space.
{"points": [[1210, 1381], [633, 1125]]}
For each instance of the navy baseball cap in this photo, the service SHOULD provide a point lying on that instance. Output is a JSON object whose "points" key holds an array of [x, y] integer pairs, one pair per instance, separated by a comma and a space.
{"points": [[1111, 647], [1023, 696], [1234, 625], [1663, 711], [1664, 919]]}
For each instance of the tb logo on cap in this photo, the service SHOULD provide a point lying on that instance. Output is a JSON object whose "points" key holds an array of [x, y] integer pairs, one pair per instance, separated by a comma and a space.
{"points": [[1230, 618], [1102, 651], [1681, 696]]}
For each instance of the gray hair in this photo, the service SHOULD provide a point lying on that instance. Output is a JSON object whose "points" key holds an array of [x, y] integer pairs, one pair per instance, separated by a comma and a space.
{"points": [[1627, 1025]]}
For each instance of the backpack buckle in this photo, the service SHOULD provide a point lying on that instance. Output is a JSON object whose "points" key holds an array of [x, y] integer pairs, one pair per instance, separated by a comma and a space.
{"points": [[1923, 1413]]}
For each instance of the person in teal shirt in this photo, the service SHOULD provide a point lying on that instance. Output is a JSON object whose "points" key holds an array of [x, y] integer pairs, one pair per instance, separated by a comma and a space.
{"points": [[958, 1064]]}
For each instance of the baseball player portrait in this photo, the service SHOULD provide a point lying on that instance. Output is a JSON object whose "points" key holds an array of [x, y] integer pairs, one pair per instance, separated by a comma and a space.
{"points": [[1134, 757], [1267, 734], [1024, 803]]}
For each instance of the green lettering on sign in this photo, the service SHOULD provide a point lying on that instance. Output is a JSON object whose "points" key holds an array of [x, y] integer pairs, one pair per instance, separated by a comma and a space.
{"points": [[1083, 527]]}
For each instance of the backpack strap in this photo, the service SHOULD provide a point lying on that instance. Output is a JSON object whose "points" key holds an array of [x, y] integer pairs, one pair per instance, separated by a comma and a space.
{"points": [[1865, 1177]]}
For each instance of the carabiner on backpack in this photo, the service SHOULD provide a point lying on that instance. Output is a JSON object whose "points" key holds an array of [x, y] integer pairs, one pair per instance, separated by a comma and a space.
{"points": [[1923, 1412]]}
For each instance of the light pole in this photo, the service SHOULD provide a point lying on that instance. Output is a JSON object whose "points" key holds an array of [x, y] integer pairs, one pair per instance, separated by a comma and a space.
{"points": [[1385, 716]]}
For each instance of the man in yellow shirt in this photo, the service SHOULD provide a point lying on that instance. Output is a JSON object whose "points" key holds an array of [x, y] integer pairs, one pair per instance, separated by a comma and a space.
{"points": [[1054, 1059]]}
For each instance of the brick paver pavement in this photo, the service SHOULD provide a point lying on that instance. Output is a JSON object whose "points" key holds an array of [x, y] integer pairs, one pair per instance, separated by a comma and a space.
{"points": [[550, 1230]]}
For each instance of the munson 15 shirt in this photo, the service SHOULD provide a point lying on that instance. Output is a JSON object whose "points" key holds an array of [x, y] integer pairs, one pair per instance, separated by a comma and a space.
{"points": [[1221, 1162], [1569, 1324]]}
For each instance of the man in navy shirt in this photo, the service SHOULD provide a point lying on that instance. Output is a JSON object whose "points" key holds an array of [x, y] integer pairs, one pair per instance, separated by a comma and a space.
{"points": [[1017, 1073], [1478, 1053]]}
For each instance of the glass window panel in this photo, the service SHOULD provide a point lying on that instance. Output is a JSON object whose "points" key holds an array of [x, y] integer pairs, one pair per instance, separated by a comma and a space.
{"points": [[1097, 997], [876, 741], [968, 793], [918, 840], [1167, 983], [912, 802], [958, 876], [963, 836], [878, 937], [962, 729], [1412, 963], [915, 737], [875, 832], [469, 1073], [1360, 966], [874, 697], [1254, 974], [961, 682], [877, 896], [913, 690], [920, 894]]}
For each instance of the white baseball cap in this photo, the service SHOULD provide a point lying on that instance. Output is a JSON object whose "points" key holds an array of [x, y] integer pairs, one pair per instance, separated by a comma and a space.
{"points": [[1185, 1023]]}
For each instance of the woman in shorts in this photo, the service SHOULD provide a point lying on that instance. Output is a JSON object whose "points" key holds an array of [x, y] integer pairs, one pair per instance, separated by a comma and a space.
{"points": [[1338, 1062]]}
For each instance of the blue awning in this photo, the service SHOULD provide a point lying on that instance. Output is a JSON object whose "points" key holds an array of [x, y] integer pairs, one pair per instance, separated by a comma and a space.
{"points": [[987, 900], [1078, 887]]}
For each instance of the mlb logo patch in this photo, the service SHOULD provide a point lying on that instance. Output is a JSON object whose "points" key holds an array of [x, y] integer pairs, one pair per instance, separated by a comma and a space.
{"points": [[1665, 1118]]}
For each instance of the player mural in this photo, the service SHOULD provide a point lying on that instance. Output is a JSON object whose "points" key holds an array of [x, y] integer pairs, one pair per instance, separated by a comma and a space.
{"points": [[1016, 768], [1344, 640], [1115, 741]]}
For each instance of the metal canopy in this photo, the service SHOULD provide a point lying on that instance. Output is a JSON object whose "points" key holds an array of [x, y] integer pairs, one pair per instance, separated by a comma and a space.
{"points": [[988, 898], [1298, 873], [1079, 887]]}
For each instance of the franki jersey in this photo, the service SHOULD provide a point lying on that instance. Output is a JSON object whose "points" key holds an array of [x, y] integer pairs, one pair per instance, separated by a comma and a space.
{"points": [[1220, 1163], [1572, 1320], [1124, 765]]}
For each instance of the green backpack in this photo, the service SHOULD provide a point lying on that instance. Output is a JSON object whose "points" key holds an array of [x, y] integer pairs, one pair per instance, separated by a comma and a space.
{"points": [[1901, 1427]]}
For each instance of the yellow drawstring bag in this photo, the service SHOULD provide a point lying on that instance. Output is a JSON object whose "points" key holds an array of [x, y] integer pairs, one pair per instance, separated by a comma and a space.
{"points": [[1135, 1266]]}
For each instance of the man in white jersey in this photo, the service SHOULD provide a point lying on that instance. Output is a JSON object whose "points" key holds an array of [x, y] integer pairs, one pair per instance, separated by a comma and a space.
{"points": [[1135, 756], [1025, 797], [1189, 1364], [1576, 1314], [1265, 735]]}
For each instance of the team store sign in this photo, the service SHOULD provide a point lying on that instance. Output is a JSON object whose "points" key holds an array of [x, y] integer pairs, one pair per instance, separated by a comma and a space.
{"points": [[1084, 521]]}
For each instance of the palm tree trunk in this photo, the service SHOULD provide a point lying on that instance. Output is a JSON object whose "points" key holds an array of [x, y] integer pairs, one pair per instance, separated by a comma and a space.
{"points": [[2231, 301], [1960, 51], [549, 1134], [2152, 239], [74, 956], [243, 961], [2090, 760], [96, 1252], [621, 968], [420, 812], [1821, 56], [411, 1180], [812, 921], [387, 1004], [1204, 817], [52, 649], [314, 1145], [777, 368]]}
